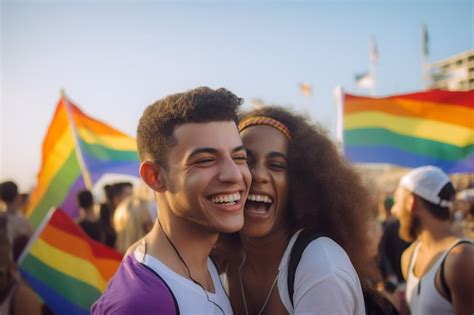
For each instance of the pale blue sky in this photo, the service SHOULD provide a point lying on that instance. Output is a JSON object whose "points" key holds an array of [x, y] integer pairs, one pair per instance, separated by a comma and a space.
{"points": [[115, 57]]}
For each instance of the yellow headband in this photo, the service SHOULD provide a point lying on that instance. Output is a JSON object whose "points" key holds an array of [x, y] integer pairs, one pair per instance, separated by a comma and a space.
{"points": [[266, 121]]}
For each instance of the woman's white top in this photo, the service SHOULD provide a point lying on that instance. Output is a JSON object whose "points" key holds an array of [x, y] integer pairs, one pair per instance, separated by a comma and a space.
{"points": [[325, 280]]}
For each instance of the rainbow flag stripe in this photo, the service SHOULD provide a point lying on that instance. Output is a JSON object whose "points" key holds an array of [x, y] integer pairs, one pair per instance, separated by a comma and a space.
{"points": [[72, 135], [411, 130], [66, 268]]}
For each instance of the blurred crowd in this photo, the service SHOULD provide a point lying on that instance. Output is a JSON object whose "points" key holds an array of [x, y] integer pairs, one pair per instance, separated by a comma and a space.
{"points": [[126, 214]]}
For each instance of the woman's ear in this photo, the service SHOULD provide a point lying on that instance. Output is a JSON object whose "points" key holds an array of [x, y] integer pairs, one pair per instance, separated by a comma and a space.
{"points": [[153, 175]]}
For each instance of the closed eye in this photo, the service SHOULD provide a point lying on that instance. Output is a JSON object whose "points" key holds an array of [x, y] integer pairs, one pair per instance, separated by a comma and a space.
{"points": [[240, 159], [277, 166], [204, 161]]}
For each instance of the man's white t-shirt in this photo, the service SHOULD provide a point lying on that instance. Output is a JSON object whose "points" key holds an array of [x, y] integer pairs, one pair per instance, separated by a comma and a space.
{"points": [[191, 298], [325, 281]]}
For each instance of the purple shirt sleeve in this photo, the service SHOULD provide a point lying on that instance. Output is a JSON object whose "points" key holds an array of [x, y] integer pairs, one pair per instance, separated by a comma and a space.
{"points": [[136, 289]]}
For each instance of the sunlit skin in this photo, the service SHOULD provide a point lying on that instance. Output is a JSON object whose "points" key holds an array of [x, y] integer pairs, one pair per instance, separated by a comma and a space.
{"points": [[265, 233], [267, 159], [434, 237], [398, 208], [402, 212], [208, 161]]}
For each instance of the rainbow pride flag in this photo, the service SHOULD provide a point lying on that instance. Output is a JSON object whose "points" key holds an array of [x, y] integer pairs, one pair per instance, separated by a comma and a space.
{"points": [[77, 151], [427, 128], [66, 268]]}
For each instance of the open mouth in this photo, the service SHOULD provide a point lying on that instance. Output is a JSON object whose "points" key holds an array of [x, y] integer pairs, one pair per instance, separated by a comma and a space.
{"points": [[258, 204], [226, 199]]}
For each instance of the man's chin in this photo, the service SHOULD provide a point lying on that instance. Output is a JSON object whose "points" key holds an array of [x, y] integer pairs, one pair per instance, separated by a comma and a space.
{"points": [[230, 227]]}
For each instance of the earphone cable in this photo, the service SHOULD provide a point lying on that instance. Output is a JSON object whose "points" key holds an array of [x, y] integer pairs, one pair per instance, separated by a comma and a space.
{"points": [[187, 269]]}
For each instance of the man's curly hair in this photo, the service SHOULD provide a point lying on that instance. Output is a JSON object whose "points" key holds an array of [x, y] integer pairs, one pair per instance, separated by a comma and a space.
{"points": [[159, 120], [325, 194]]}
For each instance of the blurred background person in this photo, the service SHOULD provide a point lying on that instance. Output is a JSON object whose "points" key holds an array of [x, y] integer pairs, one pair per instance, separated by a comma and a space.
{"points": [[438, 265], [391, 248], [24, 202], [15, 296], [105, 219], [18, 227], [89, 221], [463, 213], [131, 221], [114, 194]]}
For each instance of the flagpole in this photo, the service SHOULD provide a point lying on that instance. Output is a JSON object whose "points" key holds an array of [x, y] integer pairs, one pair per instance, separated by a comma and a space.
{"points": [[373, 56], [339, 96], [372, 73], [80, 158], [423, 71], [36, 234], [424, 55]]}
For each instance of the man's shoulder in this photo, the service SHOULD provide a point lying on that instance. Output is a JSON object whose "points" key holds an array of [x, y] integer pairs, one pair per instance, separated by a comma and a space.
{"points": [[136, 289], [462, 255], [132, 273]]}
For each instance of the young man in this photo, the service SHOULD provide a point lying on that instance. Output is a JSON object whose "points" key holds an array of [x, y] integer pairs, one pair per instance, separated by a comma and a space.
{"points": [[438, 266], [193, 158]]}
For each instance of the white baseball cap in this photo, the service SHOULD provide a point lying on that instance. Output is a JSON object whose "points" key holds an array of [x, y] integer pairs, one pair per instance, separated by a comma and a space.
{"points": [[427, 182]]}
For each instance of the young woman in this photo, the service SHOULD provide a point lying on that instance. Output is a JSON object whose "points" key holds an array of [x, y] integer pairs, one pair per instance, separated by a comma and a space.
{"points": [[300, 183]]}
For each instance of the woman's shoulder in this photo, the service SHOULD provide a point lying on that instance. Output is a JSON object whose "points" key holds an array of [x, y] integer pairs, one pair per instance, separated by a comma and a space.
{"points": [[325, 257]]}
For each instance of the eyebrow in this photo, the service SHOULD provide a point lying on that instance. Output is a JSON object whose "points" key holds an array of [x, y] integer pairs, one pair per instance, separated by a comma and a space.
{"points": [[272, 154], [213, 150]]}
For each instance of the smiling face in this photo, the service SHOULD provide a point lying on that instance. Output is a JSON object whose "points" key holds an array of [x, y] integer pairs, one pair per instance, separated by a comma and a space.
{"points": [[265, 209], [207, 178]]}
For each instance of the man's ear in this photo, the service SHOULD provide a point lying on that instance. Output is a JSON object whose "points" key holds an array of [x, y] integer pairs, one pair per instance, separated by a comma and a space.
{"points": [[153, 175], [411, 203]]}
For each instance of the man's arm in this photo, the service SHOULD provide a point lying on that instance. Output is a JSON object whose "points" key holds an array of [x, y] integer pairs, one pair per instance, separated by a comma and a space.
{"points": [[459, 273]]}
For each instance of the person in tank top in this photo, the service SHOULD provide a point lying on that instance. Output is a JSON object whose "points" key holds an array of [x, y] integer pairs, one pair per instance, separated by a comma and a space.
{"points": [[438, 266]]}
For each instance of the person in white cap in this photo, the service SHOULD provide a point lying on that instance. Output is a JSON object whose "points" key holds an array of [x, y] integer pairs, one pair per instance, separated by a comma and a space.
{"points": [[438, 266]]}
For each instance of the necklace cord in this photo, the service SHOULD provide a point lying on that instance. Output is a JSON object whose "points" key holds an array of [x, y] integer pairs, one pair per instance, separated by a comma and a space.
{"points": [[242, 291], [189, 272]]}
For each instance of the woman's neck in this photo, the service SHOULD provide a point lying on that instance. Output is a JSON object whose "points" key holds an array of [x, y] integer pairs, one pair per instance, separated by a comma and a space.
{"points": [[265, 251]]}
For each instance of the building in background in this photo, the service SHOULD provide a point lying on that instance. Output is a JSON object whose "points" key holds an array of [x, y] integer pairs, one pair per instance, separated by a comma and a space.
{"points": [[455, 73]]}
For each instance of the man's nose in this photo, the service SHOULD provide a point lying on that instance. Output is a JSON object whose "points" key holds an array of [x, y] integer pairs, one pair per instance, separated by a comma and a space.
{"points": [[230, 171]]}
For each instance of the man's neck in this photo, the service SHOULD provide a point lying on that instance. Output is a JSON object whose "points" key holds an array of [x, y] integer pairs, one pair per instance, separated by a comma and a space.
{"points": [[435, 233], [181, 243]]}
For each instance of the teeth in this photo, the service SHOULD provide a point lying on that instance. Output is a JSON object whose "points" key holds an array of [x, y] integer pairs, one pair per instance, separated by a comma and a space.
{"points": [[259, 198], [227, 199]]}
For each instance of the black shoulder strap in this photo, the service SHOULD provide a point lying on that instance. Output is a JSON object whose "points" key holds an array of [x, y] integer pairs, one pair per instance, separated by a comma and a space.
{"points": [[302, 241], [444, 284]]}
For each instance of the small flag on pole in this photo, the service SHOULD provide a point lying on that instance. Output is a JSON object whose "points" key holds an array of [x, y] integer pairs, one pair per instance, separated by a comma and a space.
{"points": [[66, 268], [373, 52], [306, 89], [257, 103], [425, 41], [364, 80]]}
